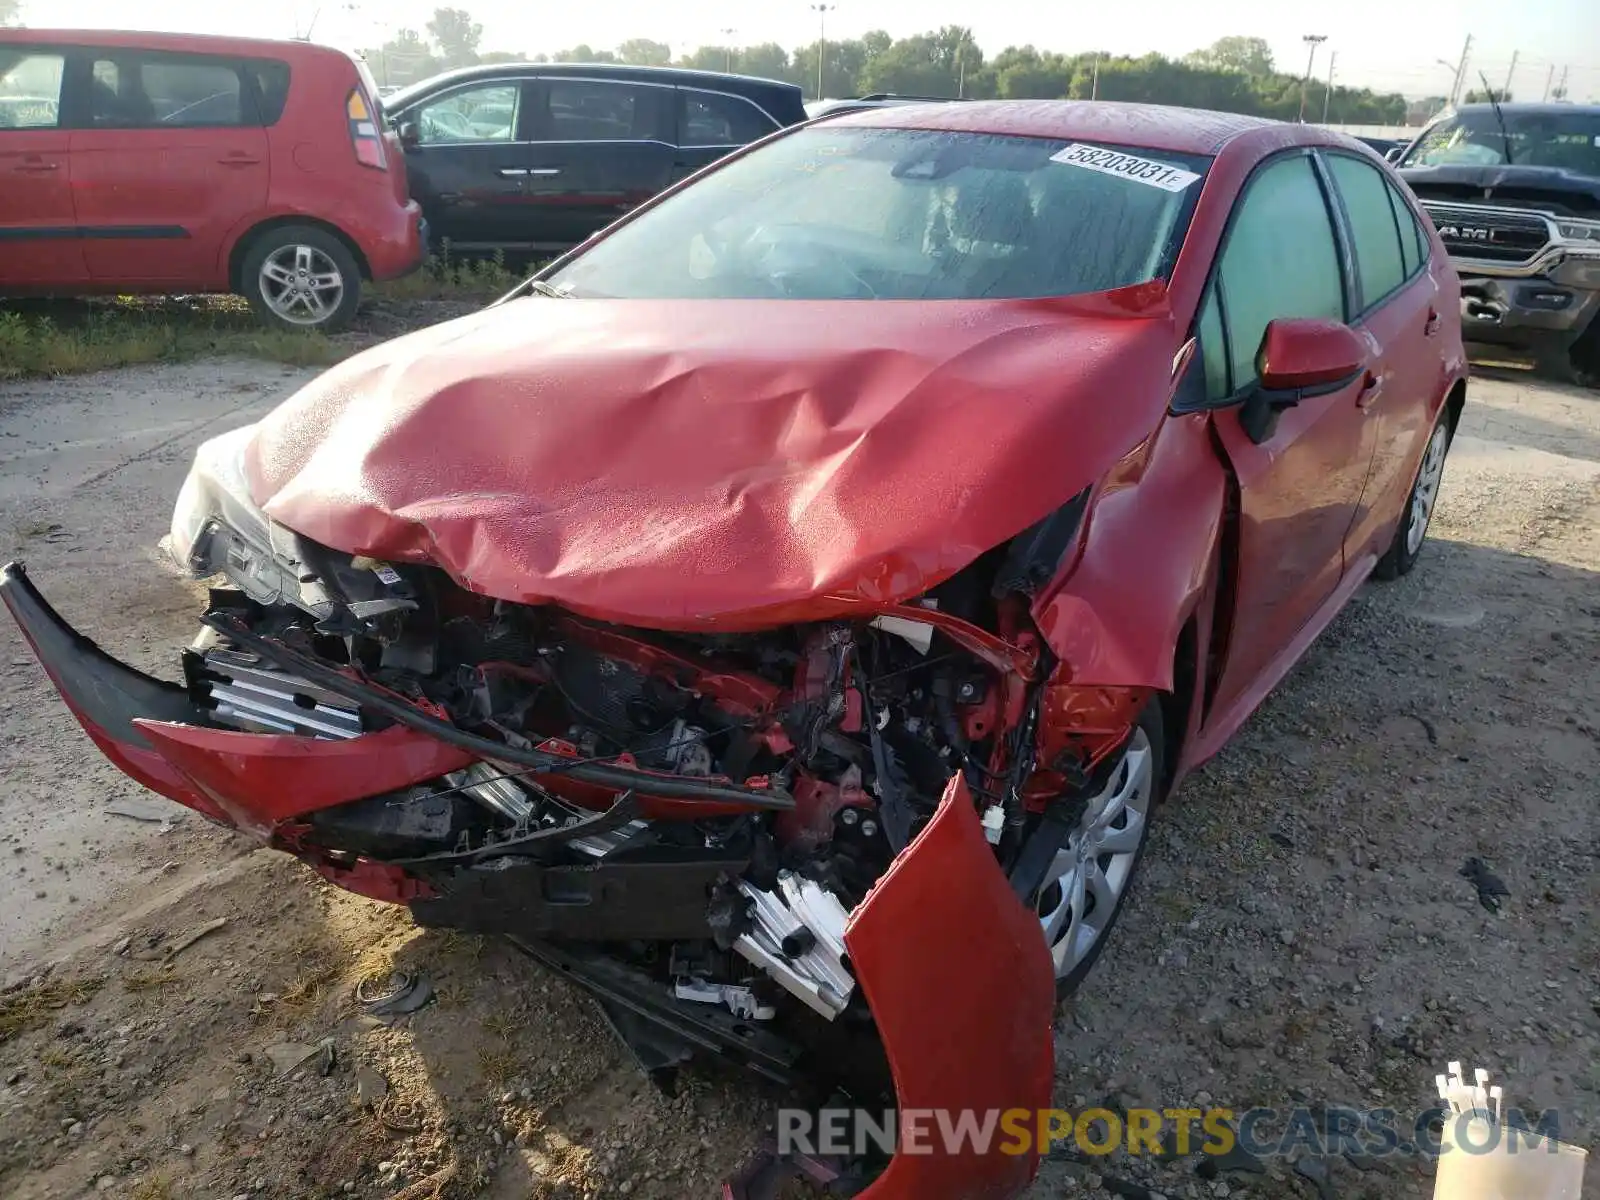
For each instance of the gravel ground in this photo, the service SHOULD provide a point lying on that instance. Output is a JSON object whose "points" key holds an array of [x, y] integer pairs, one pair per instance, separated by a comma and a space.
{"points": [[1300, 932]]}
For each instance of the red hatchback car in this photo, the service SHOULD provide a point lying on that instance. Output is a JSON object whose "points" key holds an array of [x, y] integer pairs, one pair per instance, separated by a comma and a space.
{"points": [[158, 163], [785, 616]]}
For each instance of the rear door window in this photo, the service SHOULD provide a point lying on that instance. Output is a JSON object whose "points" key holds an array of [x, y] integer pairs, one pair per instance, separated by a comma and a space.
{"points": [[1379, 257], [1412, 240], [712, 119], [143, 91], [30, 88], [271, 79], [585, 110]]}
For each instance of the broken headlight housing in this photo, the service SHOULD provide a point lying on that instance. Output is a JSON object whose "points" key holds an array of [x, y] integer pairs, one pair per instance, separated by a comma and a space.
{"points": [[216, 527]]}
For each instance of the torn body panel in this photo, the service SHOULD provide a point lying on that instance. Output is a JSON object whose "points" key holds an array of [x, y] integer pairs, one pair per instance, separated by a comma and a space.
{"points": [[956, 1056], [1113, 619]]}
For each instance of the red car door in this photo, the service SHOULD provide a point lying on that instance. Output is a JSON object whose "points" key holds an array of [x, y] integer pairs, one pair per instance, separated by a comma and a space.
{"points": [[1399, 305], [1300, 486], [171, 159], [38, 239]]}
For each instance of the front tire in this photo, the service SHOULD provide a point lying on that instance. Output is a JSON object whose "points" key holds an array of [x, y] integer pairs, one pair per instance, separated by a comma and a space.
{"points": [[1094, 870], [301, 277], [1413, 528]]}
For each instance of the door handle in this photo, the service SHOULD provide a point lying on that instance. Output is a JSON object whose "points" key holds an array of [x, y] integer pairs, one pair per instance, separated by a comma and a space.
{"points": [[1431, 326], [1371, 387], [239, 160], [512, 172], [33, 167], [545, 171]]}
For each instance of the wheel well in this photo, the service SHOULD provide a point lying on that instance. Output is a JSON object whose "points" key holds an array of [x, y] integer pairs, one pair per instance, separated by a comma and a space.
{"points": [[242, 246], [1175, 705], [1455, 402]]}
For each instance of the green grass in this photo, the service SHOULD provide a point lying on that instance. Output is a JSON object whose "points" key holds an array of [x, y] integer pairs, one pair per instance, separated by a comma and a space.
{"points": [[75, 337], [129, 333], [444, 277]]}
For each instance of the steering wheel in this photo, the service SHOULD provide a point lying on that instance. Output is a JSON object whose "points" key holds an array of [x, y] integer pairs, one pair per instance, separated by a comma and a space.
{"points": [[791, 264]]}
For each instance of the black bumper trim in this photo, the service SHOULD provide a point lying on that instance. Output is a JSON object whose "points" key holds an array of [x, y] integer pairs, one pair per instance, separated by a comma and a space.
{"points": [[106, 693]]}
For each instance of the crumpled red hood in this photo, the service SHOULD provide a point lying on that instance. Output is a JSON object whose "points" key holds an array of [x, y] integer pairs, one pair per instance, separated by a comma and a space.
{"points": [[715, 464]]}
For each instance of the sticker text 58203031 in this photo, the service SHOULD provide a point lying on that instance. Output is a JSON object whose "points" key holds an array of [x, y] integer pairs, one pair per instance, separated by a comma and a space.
{"points": [[1127, 166]]}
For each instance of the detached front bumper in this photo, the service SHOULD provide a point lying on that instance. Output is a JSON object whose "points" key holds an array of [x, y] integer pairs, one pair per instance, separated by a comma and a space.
{"points": [[956, 975], [155, 733]]}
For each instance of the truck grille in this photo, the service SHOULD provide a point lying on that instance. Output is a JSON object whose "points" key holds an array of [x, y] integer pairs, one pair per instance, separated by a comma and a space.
{"points": [[1489, 234]]}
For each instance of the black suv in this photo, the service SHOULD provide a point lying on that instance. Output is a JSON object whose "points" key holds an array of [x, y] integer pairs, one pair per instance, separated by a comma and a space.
{"points": [[1515, 194], [538, 156]]}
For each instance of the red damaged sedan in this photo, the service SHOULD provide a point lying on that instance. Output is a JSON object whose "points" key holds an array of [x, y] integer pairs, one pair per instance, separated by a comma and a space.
{"points": [[784, 615]]}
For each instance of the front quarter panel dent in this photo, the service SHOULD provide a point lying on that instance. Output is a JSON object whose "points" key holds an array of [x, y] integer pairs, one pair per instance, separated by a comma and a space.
{"points": [[1115, 619]]}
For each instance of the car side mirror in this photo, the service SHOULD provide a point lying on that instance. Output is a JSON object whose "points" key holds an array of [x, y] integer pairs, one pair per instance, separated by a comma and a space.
{"points": [[1300, 358], [1393, 153], [410, 135]]}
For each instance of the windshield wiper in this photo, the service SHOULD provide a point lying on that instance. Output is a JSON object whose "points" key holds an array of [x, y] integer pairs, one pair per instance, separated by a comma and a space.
{"points": [[541, 288], [1500, 118]]}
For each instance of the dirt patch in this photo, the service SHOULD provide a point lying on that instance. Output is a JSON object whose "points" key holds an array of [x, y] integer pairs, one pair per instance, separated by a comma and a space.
{"points": [[1301, 931]]}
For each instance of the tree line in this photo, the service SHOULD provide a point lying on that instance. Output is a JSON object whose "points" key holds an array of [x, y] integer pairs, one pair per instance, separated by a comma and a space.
{"points": [[1234, 74]]}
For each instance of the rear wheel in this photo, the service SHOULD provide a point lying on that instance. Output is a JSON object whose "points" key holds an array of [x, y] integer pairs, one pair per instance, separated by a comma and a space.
{"points": [[1413, 531], [1092, 873], [301, 277]]}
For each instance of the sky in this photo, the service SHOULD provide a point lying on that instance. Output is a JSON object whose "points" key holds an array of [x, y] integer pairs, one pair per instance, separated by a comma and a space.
{"points": [[1391, 45]]}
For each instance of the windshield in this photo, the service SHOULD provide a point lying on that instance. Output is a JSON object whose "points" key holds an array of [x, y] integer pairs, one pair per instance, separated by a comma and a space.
{"points": [[901, 214], [1568, 140]]}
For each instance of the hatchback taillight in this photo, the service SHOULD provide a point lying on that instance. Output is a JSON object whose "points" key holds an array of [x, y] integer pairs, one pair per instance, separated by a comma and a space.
{"points": [[364, 135]]}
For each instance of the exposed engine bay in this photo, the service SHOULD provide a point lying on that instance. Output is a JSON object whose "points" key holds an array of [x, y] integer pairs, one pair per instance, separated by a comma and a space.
{"points": [[771, 777]]}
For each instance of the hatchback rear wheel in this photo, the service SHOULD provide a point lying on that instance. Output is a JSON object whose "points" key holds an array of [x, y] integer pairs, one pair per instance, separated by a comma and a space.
{"points": [[301, 277]]}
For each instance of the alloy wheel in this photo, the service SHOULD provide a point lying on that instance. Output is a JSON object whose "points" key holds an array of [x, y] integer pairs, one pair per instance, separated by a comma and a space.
{"points": [[1426, 490], [1091, 872], [301, 284]]}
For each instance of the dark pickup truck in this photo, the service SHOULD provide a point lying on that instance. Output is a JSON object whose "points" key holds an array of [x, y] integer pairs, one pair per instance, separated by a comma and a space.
{"points": [[1515, 195]]}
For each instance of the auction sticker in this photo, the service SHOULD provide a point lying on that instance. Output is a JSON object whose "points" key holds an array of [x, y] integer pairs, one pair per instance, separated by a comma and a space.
{"points": [[1127, 166]]}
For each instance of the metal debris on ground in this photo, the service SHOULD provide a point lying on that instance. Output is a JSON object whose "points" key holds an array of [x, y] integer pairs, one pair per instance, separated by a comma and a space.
{"points": [[1491, 888], [156, 812], [371, 1087], [286, 1056], [401, 993], [764, 1174], [194, 935]]}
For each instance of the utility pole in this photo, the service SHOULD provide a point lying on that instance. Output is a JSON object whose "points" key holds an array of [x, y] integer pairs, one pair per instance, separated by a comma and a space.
{"points": [[1313, 40], [1505, 93], [1561, 88], [1327, 92], [1548, 80], [1461, 72], [822, 39], [1094, 79], [729, 33]]}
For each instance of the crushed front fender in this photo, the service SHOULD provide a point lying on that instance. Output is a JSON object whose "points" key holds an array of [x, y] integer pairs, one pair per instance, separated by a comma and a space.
{"points": [[962, 990]]}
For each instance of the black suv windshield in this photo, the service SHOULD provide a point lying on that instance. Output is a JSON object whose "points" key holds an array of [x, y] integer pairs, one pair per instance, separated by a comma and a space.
{"points": [[903, 214], [1568, 140]]}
